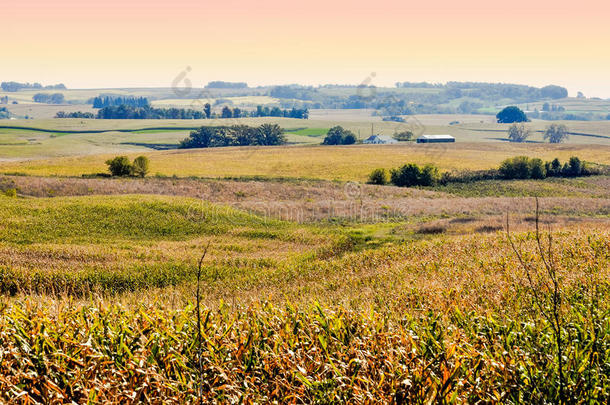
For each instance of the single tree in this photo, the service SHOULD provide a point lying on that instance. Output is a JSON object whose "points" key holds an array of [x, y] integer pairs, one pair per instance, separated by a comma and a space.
{"points": [[511, 114], [556, 133], [141, 166], [518, 133], [119, 166], [227, 112], [334, 136], [271, 134]]}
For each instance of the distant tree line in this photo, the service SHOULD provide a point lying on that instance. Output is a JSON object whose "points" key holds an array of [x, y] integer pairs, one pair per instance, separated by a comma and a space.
{"points": [[108, 101], [55, 98], [262, 111], [77, 114], [16, 86], [236, 135], [301, 113], [123, 112], [226, 85], [492, 90]]}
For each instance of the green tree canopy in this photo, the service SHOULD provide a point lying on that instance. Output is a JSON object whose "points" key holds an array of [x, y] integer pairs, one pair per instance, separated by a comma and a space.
{"points": [[510, 115]]}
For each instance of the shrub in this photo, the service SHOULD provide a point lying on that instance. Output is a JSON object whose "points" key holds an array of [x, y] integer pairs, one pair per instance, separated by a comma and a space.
{"points": [[10, 192], [573, 168], [406, 176], [537, 169], [411, 175], [516, 168], [429, 175], [119, 166], [554, 168], [141, 166], [379, 176]]}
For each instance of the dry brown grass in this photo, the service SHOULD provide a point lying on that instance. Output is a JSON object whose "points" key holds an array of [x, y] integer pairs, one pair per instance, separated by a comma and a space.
{"points": [[312, 200]]}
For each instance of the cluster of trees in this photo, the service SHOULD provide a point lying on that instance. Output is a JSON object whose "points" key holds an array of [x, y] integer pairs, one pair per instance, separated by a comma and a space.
{"points": [[122, 112], [16, 86], [4, 113], [522, 167], [409, 175], [236, 135], [226, 85], [4, 100], [546, 107], [108, 101], [121, 166], [554, 133], [55, 98], [339, 136], [77, 114]]}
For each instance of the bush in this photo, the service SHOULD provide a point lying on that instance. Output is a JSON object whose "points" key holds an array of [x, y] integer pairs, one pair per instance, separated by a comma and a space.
{"points": [[120, 166], [429, 175], [518, 167], [141, 166], [406, 176], [553, 168], [537, 169], [574, 167], [411, 175], [379, 176]]}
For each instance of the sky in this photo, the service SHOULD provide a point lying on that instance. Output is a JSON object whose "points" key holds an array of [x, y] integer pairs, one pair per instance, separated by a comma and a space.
{"points": [[136, 43]]}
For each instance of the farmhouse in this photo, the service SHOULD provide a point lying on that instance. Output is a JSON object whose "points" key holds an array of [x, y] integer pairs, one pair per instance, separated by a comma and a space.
{"points": [[435, 139], [379, 139]]}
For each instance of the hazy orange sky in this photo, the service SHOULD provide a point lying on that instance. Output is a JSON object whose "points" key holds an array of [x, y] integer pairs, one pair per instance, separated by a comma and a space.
{"points": [[124, 43]]}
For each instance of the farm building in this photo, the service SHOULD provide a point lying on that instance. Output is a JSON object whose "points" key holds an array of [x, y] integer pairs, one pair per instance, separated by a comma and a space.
{"points": [[435, 139], [379, 139]]}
